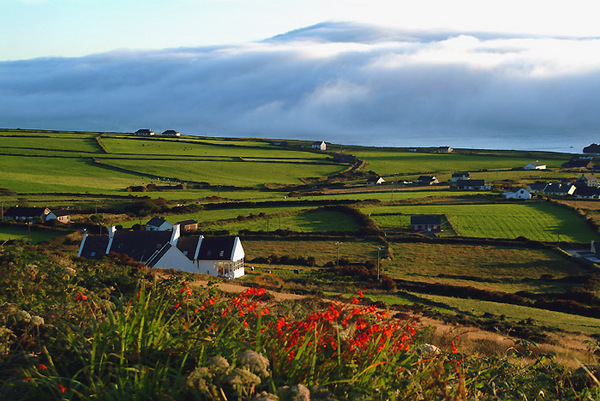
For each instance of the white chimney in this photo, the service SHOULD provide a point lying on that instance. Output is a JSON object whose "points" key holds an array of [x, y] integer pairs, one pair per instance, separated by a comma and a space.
{"points": [[111, 231], [175, 235]]}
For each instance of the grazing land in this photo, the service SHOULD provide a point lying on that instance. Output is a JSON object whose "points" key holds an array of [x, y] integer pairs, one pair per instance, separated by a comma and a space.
{"points": [[310, 225]]}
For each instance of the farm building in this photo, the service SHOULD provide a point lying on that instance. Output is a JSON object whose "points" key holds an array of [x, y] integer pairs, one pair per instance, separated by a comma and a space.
{"points": [[588, 179], [580, 164], [188, 225], [170, 133], [445, 149], [427, 180], [471, 184], [519, 193], [321, 145], [462, 175], [220, 257], [63, 216], [426, 223], [586, 192], [375, 180], [559, 189], [144, 132], [536, 165], [158, 224], [21, 213]]}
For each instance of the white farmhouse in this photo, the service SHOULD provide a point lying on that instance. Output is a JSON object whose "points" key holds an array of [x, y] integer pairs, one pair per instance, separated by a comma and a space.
{"points": [[520, 193], [158, 224], [536, 165]]}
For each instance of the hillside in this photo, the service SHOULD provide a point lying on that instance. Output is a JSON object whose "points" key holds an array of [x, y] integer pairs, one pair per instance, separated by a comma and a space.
{"points": [[311, 226]]}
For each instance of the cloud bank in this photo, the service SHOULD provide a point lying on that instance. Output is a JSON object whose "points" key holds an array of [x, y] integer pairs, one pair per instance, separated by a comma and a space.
{"points": [[341, 82]]}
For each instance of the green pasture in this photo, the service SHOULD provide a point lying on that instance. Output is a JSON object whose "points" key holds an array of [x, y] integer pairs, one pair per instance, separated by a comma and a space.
{"points": [[489, 267], [304, 221], [219, 217], [69, 144], [21, 233], [323, 251], [536, 221], [52, 175], [515, 313], [242, 174], [388, 162], [137, 146], [385, 194]]}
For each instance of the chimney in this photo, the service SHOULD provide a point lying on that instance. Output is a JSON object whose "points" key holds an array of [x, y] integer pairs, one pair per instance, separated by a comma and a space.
{"points": [[111, 231], [175, 235]]}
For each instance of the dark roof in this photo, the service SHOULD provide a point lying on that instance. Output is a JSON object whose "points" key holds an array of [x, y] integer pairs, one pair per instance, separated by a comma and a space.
{"points": [[24, 211], [557, 188], [537, 187], [139, 245], [427, 178], [470, 183], [59, 213], [578, 164], [374, 179], [584, 190], [156, 257], [94, 247], [588, 177], [187, 222], [461, 174], [426, 220], [217, 248], [170, 132], [156, 221], [144, 131], [318, 142], [188, 245]]}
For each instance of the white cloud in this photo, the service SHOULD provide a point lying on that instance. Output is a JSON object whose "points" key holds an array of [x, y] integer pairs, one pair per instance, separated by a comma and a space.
{"points": [[338, 81]]}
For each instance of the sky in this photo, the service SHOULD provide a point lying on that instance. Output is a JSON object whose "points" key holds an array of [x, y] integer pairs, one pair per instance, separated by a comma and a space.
{"points": [[494, 74]]}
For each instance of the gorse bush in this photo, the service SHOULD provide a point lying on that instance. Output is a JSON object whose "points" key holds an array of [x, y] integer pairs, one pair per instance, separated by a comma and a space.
{"points": [[92, 335]]}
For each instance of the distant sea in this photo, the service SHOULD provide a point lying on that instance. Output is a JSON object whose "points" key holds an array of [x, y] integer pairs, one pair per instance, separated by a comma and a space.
{"points": [[542, 141]]}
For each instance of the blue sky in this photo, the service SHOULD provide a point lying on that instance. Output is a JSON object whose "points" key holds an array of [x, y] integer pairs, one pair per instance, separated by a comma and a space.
{"points": [[42, 28]]}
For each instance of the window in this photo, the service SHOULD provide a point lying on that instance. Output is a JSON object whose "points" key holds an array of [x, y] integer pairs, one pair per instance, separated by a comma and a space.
{"points": [[93, 254]]}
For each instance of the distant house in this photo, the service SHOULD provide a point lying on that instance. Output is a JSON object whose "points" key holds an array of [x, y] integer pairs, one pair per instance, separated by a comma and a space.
{"points": [[158, 224], [427, 180], [188, 225], [536, 165], [445, 149], [375, 180], [221, 257], [426, 223], [580, 164], [537, 187], [413, 149], [170, 133], [21, 213], [586, 192], [144, 132], [462, 175], [321, 145], [471, 184], [519, 193], [588, 179], [63, 216], [559, 189]]}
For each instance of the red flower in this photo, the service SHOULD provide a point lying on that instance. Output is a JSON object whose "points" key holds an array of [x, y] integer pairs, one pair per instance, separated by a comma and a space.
{"points": [[454, 350], [177, 304], [81, 297], [62, 388], [360, 293], [245, 324], [42, 367]]}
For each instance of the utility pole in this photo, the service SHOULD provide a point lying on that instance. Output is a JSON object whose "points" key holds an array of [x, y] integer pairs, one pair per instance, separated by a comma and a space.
{"points": [[29, 231], [337, 247], [378, 249]]}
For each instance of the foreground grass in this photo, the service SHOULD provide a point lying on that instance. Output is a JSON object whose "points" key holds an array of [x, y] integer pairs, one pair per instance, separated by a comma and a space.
{"points": [[112, 330]]}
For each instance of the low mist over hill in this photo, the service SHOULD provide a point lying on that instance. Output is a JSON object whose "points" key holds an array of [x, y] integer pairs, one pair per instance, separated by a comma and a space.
{"points": [[341, 82]]}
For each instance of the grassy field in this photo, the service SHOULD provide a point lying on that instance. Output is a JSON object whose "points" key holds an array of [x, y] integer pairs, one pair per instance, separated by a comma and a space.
{"points": [[494, 268], [536, 221], [305, 221], [473, 307], [323, 251], [388, 162], [21, 233]]}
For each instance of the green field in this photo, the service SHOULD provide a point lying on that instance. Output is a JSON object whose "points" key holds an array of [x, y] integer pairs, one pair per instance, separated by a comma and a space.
{"points": [[391, 161], [536, 221], [21, 233]]}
